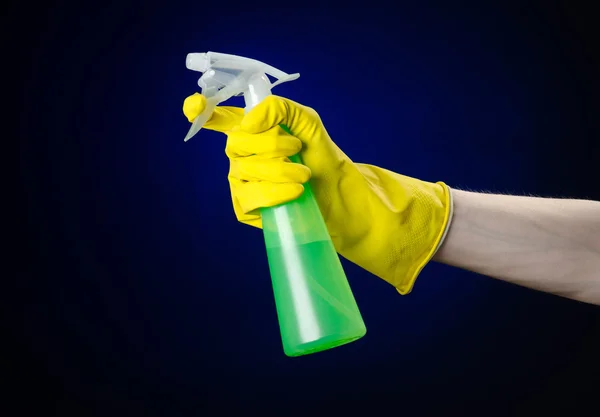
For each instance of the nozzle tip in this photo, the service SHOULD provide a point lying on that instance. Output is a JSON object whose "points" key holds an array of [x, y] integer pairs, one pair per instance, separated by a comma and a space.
{"points": [[197, 61]]}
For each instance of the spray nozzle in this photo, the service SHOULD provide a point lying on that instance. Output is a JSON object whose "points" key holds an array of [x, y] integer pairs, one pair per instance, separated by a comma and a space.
{"points": [[225, 76]]}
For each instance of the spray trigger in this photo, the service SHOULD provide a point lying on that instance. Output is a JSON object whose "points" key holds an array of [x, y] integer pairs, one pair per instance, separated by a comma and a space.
{"points": [[225, 76]]}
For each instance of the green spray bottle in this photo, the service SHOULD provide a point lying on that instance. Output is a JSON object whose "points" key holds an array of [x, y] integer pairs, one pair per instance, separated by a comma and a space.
{"points": [[316, 309]]}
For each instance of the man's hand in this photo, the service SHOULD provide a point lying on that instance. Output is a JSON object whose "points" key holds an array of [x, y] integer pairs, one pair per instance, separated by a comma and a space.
{"points": [[391, 224], [387, 223]]}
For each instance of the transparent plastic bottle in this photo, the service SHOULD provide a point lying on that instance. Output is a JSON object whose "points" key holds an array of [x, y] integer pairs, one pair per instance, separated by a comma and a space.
{"points": [[316, 309]]}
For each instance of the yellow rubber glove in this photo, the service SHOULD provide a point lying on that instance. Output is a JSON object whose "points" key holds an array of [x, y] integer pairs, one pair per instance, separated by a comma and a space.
{"points": [[387, 223]]}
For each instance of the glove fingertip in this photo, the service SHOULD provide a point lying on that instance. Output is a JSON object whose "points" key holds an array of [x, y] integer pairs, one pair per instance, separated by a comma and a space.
{"points": [[296, 190], [193, 105], [306, 174]]}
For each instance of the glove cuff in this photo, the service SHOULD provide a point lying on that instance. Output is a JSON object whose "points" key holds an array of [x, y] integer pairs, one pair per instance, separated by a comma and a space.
{"points": [[448, 219], [413, 272]]}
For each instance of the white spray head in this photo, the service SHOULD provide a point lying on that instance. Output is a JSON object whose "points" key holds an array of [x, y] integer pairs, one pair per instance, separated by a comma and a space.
{"points": [[225, 76]]}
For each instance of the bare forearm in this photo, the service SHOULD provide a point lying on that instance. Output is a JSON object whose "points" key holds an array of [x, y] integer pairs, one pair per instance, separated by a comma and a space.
{"points": [[552, 245]]}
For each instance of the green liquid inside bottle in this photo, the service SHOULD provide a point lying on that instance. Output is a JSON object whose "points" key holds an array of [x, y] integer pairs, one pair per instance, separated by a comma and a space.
{"points": [[315, 305]]}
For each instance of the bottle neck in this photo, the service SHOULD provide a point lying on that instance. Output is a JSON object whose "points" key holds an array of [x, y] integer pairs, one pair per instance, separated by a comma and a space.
{"points": [[259, 87]]}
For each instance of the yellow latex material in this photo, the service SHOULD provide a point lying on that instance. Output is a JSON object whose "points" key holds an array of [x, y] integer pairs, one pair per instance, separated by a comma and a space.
{"points": [[387, 223]]}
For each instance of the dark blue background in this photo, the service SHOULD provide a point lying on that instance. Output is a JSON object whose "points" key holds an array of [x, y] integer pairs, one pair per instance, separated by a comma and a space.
{"points": [[140, 294]]}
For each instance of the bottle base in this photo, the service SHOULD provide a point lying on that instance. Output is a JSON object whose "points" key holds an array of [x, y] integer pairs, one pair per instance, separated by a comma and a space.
{"points": [[320, 345]]}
